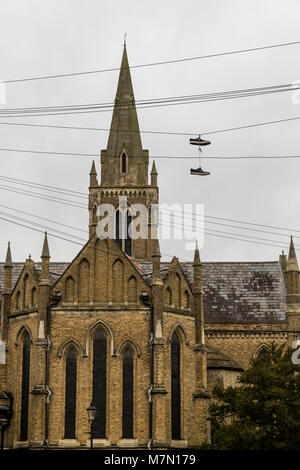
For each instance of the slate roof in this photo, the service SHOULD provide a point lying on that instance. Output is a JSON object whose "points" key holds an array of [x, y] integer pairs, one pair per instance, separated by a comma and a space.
{"points": [[237, 292], [217, 360], [56, 269], [251, 292]]}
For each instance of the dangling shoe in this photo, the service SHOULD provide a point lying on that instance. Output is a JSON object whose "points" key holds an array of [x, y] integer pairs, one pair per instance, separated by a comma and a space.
{"points": [[198, 141], [199, 172]]}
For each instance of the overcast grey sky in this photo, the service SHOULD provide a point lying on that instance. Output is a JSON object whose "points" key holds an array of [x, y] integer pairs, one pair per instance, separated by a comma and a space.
{"points": [[63, 36]]}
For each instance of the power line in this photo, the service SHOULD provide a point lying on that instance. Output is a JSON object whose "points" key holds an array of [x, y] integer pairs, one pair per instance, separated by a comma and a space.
{"points": [[33, 194], [43, 185], [291, 230], [9, 180], [224, 234], [62, 201], [166, 254], [142, 104], [173, 157], [43, 218], [125, 104], [151, 64], [265, 123]]}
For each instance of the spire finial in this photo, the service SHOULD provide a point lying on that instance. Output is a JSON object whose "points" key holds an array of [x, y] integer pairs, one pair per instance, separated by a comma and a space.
{"points": [[292, 253], [93, 169], [125, 34], [45, 251], [8, 261], [197, 261], [292, 264], [154, 170]]}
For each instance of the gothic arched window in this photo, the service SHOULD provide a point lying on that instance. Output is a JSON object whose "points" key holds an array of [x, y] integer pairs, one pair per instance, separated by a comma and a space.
{"points": [[262, 350], [122, 236], [127, 406], [84, 281], [168, 296], [175, 387], [18, 300], [69, 289], [33, 296], [99, 383], [26, 291], [70, 394], [186, 299], [25, 387], [123, 163]]}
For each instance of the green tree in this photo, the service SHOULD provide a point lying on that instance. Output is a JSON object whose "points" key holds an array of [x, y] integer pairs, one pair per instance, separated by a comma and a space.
{"points": [[263, 412]]}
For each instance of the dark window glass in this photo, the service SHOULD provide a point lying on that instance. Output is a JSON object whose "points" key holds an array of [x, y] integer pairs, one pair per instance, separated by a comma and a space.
{"points": [[99, 384], [25, 387], [124, 163], [127, 422], [262, 351], [128, 240], [120, 219], [175, 386], [70, 403], [119, 229]]}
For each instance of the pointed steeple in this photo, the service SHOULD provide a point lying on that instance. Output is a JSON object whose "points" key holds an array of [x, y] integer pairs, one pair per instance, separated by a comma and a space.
{"points": [[93, 175], [197, 289], [45, 251], [197, 261], [8, 271], [154, 174], [124, 162], [292, 277], [292, 263], [8, 260], [45, 259]]}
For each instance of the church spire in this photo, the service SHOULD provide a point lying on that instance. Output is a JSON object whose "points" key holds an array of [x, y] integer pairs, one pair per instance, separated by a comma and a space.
{"points": [[154, 174], [292, 276], [8, 260], [45, 258], [124, 162], [93, 175], [292, 264]]}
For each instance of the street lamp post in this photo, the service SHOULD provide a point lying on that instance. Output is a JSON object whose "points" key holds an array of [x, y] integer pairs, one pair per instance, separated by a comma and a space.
{"points": [[91, 411]]}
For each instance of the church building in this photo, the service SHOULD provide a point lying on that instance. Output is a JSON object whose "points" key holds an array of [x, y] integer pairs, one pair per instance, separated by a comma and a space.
{"points": [[142, 339]]}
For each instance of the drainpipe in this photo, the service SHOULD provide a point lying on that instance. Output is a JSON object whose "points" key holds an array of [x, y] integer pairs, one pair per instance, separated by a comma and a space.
{"points": [[56, 299], [145, 299]]}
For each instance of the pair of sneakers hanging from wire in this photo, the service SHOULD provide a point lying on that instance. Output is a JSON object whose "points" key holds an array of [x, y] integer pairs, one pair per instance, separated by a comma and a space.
{"points": [[199, 142]]}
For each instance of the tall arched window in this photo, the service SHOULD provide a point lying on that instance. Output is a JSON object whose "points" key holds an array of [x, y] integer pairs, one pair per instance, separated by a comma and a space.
{"points": [[127, 406], [186, 299], [33, 296], [99, 383], [122, 237], [70, 394], [175, 386], [94, 215], [168, 296], [26, 291], [69, 289], [18, 300], [84, 281], [25, 387], [123, 163]]}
